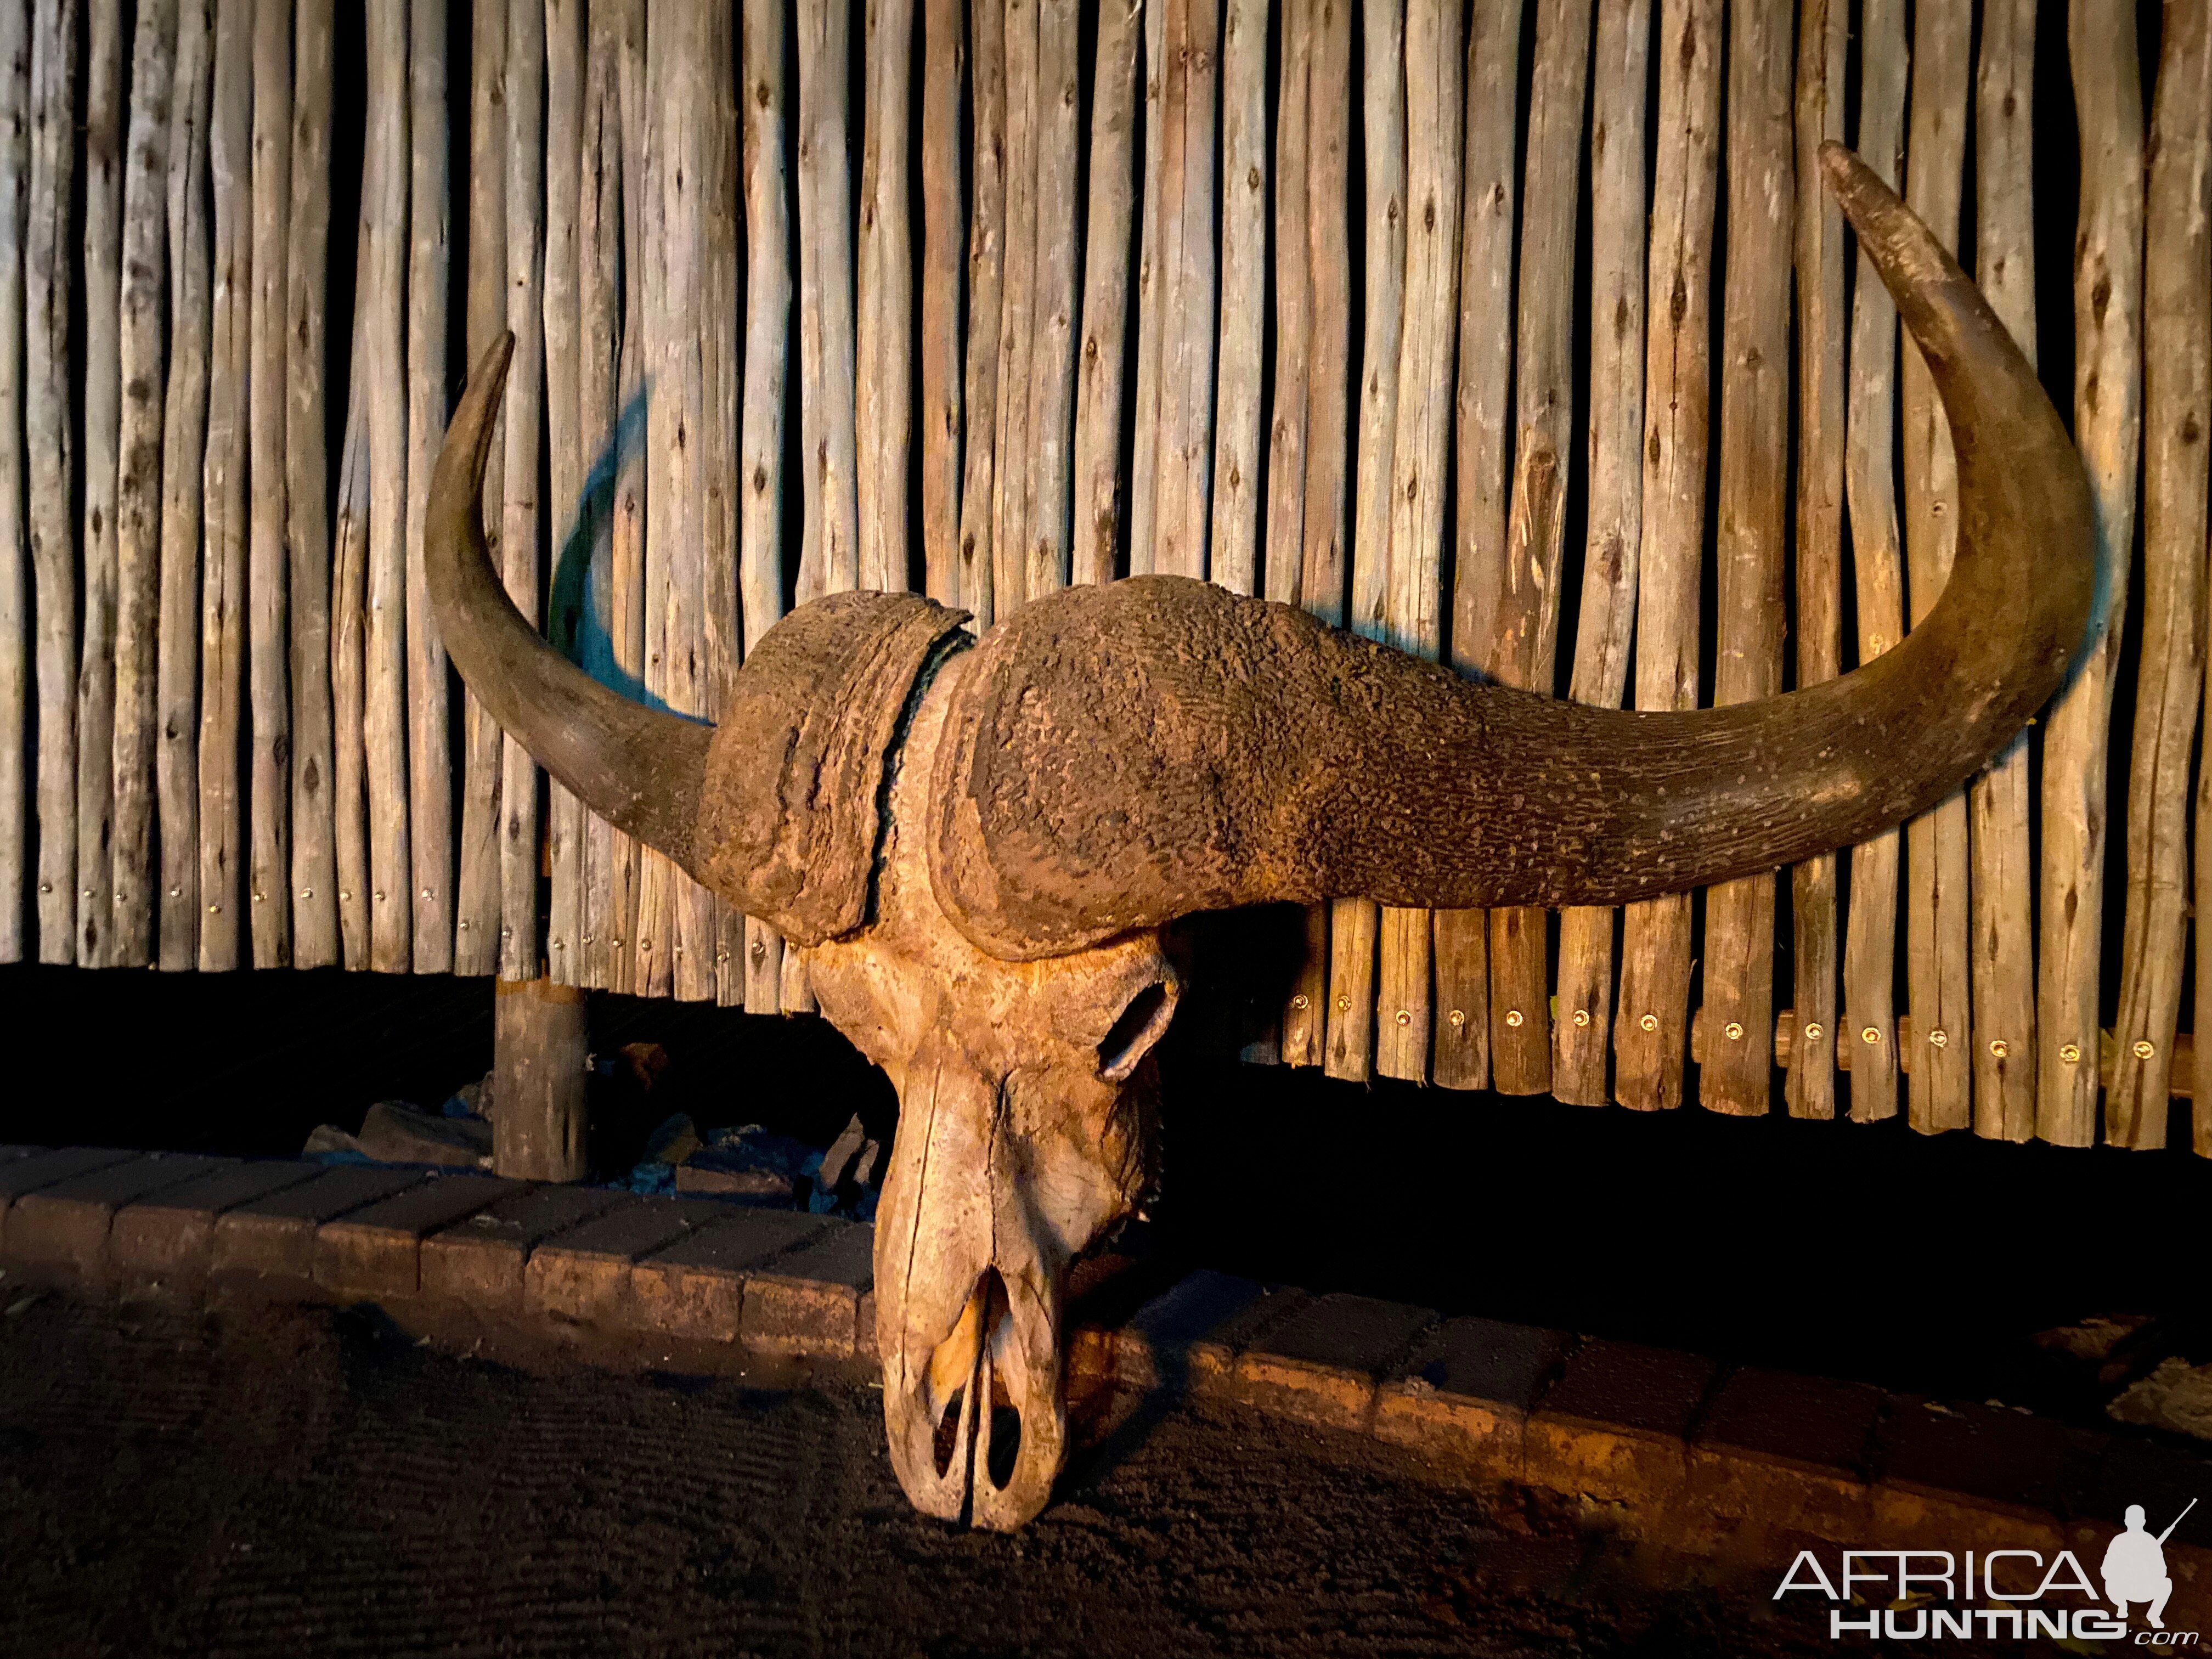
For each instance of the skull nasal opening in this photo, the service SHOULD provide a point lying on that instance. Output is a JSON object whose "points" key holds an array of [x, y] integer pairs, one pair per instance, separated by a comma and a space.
{"points": [[1142, 1022]]}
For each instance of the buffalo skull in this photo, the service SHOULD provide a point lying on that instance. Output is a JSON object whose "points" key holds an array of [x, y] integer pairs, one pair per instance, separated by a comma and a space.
{"points": [[976, 843]]}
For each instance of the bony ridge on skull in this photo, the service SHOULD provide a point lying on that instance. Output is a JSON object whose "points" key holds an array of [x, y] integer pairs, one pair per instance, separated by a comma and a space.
{"points": [[976, 842]]}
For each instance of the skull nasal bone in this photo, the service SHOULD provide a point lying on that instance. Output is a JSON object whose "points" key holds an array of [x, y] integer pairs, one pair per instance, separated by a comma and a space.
{"points": [[1142, 1022]]}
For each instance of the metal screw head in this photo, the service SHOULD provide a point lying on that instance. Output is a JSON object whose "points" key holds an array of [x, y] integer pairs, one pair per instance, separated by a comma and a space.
{"points": [[307, 892], [176, 892], [617, 941], [1649, 1022], [1582, 1017], [1301, 1001], [2000, 1047], [1733, 1030], [1813, 1031], [346, 893], [2145, 1047], [2070, 1052], [588, 938], [380, 898], [426, 892], [1871, 1035], [722, 956], [214, 909], [1458, 1016], [465, 920], [1939, 1038], [88, 893], [554, 944], [760, 949], [1405, 1017], [257, 897], [644, 945], [1513, 1016], [45, 887], [1344, 1004]]}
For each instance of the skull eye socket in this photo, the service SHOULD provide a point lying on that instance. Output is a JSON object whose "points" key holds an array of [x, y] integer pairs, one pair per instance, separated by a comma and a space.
{"points": [[1142, 1022]]}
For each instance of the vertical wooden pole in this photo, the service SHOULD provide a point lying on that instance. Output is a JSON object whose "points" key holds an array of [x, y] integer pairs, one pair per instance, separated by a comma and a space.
{"points": [[222, 584], [721, 437], [1145, 418], [1823, 29], [101, 383], [1236, 533], [1997, 802], [2108, 384], [1651, 1031], [883, 354], [430, 261], [830, 557], [1752, 522], [626, 560], [1582, 1034], [1355, 925], [520, 855], [598, 332], [767, 352], [1100, 378], [663, 313], [1938, 911], [268, 573], [1051, 425], [47, 265], [943, 249], [1012, 473], [986, 258], [350, 672], [1878, 570], [539, 1057], [568, 446], [1523, 649], [1187, 285], [183, 441], [306, 491], [138, 485], [384, 226], [1491, 184], [15, 620], [476, 898], [2176, 415], [1415, 584]]}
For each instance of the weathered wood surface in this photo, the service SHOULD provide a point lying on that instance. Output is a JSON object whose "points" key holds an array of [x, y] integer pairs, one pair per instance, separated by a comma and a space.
{"points": [[306, 481], [129, 927], [1999, 810], [2108, 301], [1582, 1035], [1750, 521], [385, 231], [1235, 538], [2169, 689], [1938, 908], [1878, 571], [223, 503], [1823, 28], [626, 561], [1055, 298], [1491, 185], [183, 434], [520, 855], [100, 391], [987, 269], [1145, 416], [1095, 484], [883, 361], [268, 910], [16, 616], [568, 446], [1012, 480], [944, 253], [476, 898], [348, 682], [830, 557], [1652, 1033], [430, 261], [767, 353]]}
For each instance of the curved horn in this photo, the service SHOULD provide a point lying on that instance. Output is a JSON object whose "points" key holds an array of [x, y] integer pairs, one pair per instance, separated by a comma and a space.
{"points": [[1121, 756], [638, 768]]}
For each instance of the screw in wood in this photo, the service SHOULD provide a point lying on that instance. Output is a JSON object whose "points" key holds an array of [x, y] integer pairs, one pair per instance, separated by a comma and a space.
{"points": [[1405, 1017], [1344, 1004], [1812, 1032], [1939, 1038], [1649, 1022], [1458, 1016], [1513, 1016], [2070, 1052], [2000, 1047], [1733, 1030], [2145, 1047], [1871, 1035], [1301, 1001], [1582, 1017]]}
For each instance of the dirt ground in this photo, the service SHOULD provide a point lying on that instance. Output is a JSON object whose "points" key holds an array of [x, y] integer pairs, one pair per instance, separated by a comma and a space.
{"points": [[293, 1482]]}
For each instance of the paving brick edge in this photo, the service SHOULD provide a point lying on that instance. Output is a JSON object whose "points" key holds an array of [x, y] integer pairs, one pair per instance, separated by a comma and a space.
{"points": [[1733, 1462]]}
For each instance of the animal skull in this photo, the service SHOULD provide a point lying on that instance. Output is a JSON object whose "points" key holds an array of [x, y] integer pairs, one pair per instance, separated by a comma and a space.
{"points": [[976, 843]]}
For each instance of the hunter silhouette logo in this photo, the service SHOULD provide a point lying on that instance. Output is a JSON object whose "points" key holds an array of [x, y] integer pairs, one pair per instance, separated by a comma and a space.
{"points": [[2134, 1566]]}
